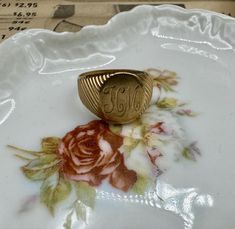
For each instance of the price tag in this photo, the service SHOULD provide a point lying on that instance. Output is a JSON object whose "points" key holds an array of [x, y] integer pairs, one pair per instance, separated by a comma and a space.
{"points": [[16, 16]]}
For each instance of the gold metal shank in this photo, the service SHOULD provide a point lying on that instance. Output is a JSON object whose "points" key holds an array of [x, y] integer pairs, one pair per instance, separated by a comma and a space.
{"points": [[116, 95]]}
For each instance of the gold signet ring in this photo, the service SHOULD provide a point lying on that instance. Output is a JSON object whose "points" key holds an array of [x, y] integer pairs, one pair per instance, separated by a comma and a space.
{"points": [[116, 95]]}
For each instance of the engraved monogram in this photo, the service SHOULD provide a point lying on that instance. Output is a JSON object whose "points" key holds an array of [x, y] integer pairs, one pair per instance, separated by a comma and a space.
{"points": [[122, 99]]}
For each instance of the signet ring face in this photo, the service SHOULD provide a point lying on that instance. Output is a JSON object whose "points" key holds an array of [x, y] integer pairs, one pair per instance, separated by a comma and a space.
{"points": [[116, 95]]}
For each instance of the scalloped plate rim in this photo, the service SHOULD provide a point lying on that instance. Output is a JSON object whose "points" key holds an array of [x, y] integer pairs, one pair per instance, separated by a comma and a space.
{"points": [[116, 17]]}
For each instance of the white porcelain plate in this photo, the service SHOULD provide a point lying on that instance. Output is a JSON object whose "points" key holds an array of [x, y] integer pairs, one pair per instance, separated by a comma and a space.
{"points": [[60, 167]]}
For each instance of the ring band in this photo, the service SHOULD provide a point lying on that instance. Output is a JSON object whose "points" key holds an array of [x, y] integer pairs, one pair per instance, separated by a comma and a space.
{"points": [[116, 95]]}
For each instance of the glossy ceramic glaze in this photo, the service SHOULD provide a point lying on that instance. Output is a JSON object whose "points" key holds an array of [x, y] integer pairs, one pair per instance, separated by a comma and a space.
{"points": [[38, 98]]}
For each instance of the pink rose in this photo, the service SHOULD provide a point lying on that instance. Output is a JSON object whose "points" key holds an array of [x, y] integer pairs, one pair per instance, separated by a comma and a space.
{"points": [[90, 153]]}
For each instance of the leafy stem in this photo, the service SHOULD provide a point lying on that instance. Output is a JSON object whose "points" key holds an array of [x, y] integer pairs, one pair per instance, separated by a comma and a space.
{"points": [[29, 152]]}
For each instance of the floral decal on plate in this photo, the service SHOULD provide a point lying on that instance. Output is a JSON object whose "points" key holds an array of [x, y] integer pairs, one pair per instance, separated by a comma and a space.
{"points": [[90, 153], [129, 157]]}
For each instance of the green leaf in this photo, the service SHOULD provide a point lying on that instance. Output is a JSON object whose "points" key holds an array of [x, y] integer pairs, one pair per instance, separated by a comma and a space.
{"points": [[35, 175], [168, 103], [186, 153], [85, 193], [191, 151], [141, 185], [81, 211], [41, 167], [129, 144], [54, 190], [167, 88], [68, 221], [115, 128], [50, 144], [43, 162]]}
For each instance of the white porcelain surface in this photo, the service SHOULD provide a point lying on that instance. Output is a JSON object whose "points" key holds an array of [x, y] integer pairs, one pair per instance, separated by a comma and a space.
{"points": [[38, 97]]}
